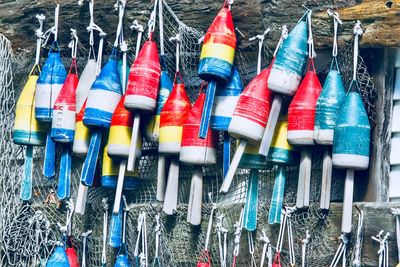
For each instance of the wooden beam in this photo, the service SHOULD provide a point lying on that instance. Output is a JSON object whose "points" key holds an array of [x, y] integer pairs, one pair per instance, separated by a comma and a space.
{"points": [[379, 19]]}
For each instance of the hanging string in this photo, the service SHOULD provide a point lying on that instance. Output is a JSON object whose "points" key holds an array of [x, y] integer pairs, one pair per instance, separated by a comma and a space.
{"points": [[311, 51], [139, 232], [120, 6], [139, 28], [284, 35], [359, 239], [336, 22], [105, 218], [161, 26], [222, 234], [84, 246], [177, 40], [157, 231], [340, 252], [304, 243], [267, 250], [358, 31], [56, 22], [39, 36], [383, 251], [260, 38], [251, 249], [144, 254], [238, 233], [152, 21]]}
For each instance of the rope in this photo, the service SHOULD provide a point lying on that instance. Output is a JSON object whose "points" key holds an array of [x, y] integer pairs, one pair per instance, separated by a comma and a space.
{"points": [[358, 31], [311, 51], [260, 38], [284, 35], [336, 22], [105, 218], [39, 35]]}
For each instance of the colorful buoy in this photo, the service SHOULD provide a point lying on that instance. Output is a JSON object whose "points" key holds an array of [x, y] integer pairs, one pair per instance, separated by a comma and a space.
{"points": [[327, 108], [120, 134], [252, 110], [82, 135], [282, 154], [249, 120], [287, 69], [109, 174], [216, 60], [104, 96], [144, 78], [226, 98], [63, 123], [122, 261], [351, 144], [195, 150], [98, 113], [49, 84], [301, 113], [172, 117], [27, 130], [152, 124]]}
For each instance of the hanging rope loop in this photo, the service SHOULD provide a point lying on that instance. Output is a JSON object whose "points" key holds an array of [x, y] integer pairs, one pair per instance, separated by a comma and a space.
{"points": [[358, 31], [284, 35], [152, 21], [177, 40], [311, 51], [336, 22], [260, 38], [105, 219], [39, 35]]}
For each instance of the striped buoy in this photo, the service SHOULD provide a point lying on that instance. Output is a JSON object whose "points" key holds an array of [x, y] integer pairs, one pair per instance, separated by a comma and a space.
{"points": [[120, 134], [327, 108], [351, 142], [252, 110], [109, 174], [87, 78], [49, 84], [281, 152], [82, 135], [216, 60], [290, 60], [64, 111], [144, 78], [226, 98], [152, 124], [172, 117], [218, 49], [301, 113], [251, 159], [59, 258], [27, 130], [104, 96], [195, 150]]}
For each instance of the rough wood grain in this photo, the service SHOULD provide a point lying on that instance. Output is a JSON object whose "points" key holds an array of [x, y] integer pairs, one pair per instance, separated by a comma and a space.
{"points": [[379, 18]]}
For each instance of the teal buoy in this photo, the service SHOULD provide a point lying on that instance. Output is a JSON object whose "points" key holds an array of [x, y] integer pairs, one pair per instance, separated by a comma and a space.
{"points": [[328, 105], [351, 144]]}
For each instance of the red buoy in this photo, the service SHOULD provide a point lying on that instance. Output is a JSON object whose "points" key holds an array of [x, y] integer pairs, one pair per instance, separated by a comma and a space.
{"points": [[72, 257], [144, 78], [252, 110], [172, 117], [196, 150], [301, 113]]}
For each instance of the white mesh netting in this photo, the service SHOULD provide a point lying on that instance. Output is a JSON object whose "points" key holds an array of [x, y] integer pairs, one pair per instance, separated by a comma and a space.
{"points": [[29, 229]]}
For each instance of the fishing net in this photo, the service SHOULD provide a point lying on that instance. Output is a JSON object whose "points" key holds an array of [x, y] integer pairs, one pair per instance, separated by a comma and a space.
{"points": [[29, 229]]}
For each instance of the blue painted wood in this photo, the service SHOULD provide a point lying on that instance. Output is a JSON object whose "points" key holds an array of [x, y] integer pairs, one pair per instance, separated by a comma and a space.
{"points": [[277, 196], [64, 177], [89, 166], [250, 207], [227, 153], [115, 238], [208, 105], [26, 185], [49, 164]]}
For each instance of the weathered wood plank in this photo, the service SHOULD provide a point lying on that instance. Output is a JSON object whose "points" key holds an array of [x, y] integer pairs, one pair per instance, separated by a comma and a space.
{"points": [[380, 19]]}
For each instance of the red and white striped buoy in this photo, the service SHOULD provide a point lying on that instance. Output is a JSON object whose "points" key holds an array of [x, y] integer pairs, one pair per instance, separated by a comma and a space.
{"points": [[196, 150]]}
